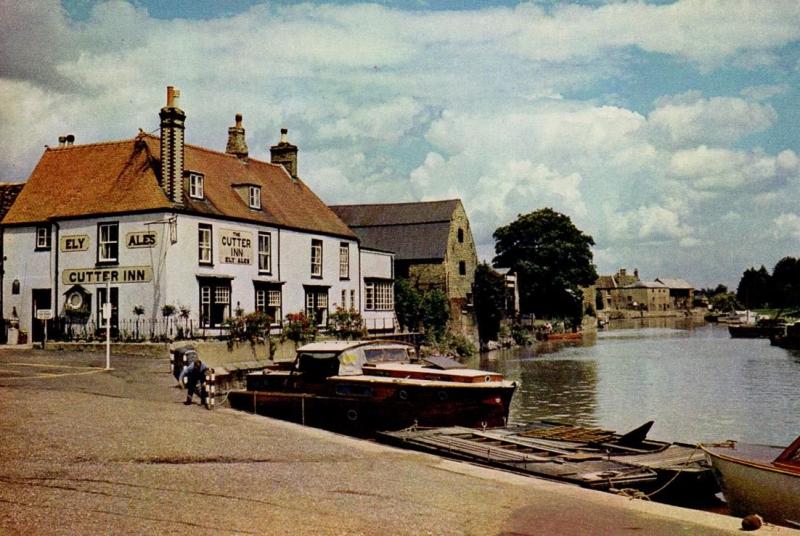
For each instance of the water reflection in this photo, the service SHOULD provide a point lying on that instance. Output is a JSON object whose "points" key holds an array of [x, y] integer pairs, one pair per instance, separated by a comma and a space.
{"points": [[696, 382]]}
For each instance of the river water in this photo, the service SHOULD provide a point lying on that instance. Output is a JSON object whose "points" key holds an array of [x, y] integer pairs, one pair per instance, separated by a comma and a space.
{"points": [[694, 381]]}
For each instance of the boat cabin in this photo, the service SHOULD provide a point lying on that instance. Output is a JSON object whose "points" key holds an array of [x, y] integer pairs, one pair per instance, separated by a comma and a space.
{"points": [[348, 358]]}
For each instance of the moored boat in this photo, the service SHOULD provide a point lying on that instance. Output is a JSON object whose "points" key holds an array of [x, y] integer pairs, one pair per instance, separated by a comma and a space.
{"points": [[759, 479], [359, 387], [589, 457], [566, 336], [764, 328], [788, 338]]}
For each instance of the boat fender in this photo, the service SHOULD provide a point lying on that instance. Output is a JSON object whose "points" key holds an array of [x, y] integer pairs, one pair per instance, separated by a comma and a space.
{"points": [[352, 415], [752, 522], [402, 394]]}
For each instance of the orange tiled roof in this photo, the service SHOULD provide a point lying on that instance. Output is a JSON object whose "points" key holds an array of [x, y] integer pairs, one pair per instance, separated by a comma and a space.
{"points": [[8, 194], [120, 177]]}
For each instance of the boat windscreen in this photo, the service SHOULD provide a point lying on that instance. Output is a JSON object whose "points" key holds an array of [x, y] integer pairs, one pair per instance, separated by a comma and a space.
{"points": [[317, 355], [386, 355]]}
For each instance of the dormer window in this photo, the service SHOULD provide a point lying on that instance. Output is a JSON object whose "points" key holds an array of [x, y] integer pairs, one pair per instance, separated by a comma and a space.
{"points": [[195, 186], [255, 197]]}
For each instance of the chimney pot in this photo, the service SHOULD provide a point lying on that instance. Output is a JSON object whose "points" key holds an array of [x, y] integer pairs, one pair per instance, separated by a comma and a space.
{"points": [[285, 153], [70, 140], [237, 145], [62, 142]]}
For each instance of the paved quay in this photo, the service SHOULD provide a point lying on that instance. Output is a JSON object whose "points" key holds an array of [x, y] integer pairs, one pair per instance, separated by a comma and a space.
{"points": [[87, 451]]}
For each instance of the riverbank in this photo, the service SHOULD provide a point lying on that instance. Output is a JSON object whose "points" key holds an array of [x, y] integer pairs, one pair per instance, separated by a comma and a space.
{"points": [[87, 451]]}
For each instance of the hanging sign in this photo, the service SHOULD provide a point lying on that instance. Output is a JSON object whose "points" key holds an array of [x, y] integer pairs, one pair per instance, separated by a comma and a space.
{"points": [[235, 247], [120, 274], [141, 239], [70, 243]]}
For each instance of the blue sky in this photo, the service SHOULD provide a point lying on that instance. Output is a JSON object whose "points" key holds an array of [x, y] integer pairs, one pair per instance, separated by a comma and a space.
{"points": [[666, 130]]}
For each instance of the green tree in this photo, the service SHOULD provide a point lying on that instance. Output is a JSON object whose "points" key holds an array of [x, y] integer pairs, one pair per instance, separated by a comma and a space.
{"points": [[435, 312], [754, 288], [489, 298], [786, 282], [552, 258], [407, 304]]}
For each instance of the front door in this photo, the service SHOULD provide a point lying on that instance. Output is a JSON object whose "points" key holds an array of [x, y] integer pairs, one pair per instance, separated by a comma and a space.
{"points": [[41, 298]]}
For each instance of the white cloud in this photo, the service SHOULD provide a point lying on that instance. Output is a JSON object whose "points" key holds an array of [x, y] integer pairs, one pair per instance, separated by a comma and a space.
{"points": [[764, 91], [687, 120], [386, 122], [787, 226], [713, 169]]}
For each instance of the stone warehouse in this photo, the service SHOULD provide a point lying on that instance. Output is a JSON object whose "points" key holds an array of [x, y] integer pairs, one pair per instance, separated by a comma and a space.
{"points": [[433, 247], [151, 222]]}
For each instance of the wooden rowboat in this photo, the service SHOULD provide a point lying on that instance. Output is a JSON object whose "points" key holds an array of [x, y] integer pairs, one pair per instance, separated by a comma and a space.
{"points": [[589, 457]]}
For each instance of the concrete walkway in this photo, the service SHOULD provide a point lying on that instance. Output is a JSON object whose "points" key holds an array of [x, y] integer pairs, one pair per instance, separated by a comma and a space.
{"points": [[86, 451]]}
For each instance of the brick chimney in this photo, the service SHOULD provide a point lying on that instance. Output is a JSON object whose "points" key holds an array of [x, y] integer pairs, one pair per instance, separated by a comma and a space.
{"points": [[236, 143], [172, 127], [285, 154]]}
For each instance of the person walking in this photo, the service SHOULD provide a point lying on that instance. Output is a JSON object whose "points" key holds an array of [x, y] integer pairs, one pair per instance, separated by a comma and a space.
{"points": [[195, 374]]}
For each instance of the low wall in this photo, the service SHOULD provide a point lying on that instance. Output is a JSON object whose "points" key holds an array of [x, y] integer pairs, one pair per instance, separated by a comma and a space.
{"points": [[213, 353]]}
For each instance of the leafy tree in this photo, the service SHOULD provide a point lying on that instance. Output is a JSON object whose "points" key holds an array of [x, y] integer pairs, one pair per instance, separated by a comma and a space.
{"points": [[754, 288], [407, 304], [553, 259], [489, 297], [435, 312], [786, 282]]}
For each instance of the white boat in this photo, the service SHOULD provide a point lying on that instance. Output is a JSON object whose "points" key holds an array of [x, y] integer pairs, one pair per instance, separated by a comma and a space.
{"points": [[759, 479]]}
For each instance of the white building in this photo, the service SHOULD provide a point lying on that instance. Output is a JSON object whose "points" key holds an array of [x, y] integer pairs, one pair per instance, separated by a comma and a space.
{"points": [[159, 222]]}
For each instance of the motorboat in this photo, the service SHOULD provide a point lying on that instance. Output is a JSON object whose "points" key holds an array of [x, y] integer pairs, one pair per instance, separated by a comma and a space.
{"points": [[759, 479], [360, 387]]}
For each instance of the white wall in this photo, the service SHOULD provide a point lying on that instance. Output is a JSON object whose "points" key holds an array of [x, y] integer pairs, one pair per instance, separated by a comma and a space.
{"points": [[175, 266], [377, 264], [296, 269]]}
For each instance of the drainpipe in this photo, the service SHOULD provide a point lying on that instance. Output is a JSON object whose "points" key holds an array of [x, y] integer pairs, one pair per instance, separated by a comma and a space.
{"points": [[55, 245], [2, 279]]}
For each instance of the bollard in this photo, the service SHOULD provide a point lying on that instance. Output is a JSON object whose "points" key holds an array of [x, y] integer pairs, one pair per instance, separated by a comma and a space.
{"points": [[210, 387]]}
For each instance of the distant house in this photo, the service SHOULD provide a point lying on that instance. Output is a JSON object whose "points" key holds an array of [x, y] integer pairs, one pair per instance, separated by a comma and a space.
{"points": [[644, 296], [681, 293], [511, 282], [608, 285], [432, 243]]}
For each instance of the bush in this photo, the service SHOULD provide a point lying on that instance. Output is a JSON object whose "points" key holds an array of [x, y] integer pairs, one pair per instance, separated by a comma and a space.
{"points": [[299, 327], [347, 324], [521, 335], [435, 314], [452, 345]]}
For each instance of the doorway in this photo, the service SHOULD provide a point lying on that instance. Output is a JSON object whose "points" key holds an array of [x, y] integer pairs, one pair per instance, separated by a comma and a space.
{"points": [[41, 298]]}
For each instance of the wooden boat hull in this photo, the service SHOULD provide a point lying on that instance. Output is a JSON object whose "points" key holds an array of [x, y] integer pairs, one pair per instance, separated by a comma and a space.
{"points": [[568, 336], [753, 486], [362, 407], [754, 332]]}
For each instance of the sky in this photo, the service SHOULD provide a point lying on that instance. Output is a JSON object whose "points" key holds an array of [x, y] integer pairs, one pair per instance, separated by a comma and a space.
{"points": [[668, 131]]}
